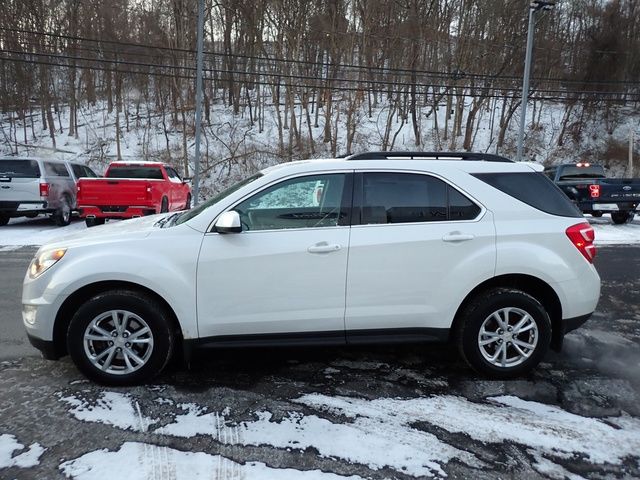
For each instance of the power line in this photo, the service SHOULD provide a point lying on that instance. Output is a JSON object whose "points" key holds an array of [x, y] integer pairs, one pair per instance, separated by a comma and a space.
{"points": [[382, 70], [629, 97], [278, 75]]}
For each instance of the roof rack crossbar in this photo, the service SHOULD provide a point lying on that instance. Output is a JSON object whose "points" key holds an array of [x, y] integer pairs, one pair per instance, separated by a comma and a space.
{"points": [[395, 155]]}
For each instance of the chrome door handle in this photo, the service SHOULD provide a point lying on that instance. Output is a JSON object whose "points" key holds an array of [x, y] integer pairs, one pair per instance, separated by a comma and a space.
{"points": [[457, 237], [323, 247]]}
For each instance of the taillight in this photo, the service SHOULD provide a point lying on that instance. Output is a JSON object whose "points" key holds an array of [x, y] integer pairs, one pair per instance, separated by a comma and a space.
{"points": [[582, 236], [44, 189], [594, 190], [149, 193]]}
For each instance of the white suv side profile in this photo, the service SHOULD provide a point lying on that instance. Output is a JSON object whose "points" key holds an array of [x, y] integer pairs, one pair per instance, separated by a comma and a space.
{"points": [[380, 247]]}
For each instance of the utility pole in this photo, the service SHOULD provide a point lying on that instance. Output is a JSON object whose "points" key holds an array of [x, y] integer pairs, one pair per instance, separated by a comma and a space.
{"points": [[196, 176], [534, 7], [630, 170]]}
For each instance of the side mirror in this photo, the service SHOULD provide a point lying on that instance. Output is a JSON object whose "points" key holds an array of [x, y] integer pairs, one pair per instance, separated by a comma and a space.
{"points": [[228, 222]]}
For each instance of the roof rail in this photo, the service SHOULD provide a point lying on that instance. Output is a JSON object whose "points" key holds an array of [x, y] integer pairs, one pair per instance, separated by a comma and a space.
{"points": [[486, 157]]}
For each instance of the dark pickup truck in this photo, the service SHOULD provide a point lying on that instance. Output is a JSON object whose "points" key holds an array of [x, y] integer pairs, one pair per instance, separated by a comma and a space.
{"points": [[587, 185]]}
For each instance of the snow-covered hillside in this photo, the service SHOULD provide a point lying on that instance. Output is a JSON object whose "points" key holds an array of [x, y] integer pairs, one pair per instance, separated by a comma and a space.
{"points": [[234, 147]]}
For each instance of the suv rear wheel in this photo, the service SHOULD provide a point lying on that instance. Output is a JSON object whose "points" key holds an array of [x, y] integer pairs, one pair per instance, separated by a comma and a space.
{"points": [[120, 337], [504, 333]]}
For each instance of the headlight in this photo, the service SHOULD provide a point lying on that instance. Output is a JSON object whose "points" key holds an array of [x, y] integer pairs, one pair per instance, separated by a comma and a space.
{"points": [[44, 261]]}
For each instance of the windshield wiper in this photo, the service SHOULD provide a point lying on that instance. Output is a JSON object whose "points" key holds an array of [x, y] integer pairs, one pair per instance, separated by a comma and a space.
{"points": [[160, 223], [169, 220]]}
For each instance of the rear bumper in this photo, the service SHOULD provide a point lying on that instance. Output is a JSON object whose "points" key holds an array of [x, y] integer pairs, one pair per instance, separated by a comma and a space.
{"points": [[570, 324], [20, 208], [46, 347], [567, 325], [608, 205], [116, 211]]}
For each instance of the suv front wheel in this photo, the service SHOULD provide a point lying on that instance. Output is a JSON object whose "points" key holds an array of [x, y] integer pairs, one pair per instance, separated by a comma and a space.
{"points": [[504, 333], [120, 337]]}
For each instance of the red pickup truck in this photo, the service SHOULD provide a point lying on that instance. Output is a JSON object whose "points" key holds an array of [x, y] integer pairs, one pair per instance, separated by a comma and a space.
{"points": [[132, 189]]}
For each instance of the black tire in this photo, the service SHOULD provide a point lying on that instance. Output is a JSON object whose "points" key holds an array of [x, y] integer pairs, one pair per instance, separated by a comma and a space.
{"points": [[621, 217], [596, 214], [4, 219], [62, 217], [93, 222], [187, 204], [480, 311], [164, 206], [100, 307]]}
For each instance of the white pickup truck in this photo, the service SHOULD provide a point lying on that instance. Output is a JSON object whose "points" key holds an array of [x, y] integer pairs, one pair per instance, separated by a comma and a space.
{"points": [[32, 186]]}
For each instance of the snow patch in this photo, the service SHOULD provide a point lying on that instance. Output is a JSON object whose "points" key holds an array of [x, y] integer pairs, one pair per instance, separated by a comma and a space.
{"points": [[609, 234], [111, 408], [34, 232], [545, 428], [141, 461], [9, 444]]}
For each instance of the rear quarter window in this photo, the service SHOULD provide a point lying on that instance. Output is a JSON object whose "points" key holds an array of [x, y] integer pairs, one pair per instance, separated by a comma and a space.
{"points": [[534, 189], [19, 169], [56, 169]]}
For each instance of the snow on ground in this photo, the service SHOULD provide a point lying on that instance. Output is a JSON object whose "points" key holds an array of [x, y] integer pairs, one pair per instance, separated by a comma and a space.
{"points": [[29, 458], [111, 408], [141, 461], [38, 231], [609, 234], [34, 232], [390, 432]]}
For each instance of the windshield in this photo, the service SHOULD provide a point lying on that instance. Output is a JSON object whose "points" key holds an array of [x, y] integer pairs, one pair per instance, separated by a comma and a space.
{"points": [[19, 168], [212, 201], [595, 171]]}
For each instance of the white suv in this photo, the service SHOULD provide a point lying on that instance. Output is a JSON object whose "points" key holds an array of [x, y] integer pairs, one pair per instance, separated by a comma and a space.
{"points": [[379, 247]]}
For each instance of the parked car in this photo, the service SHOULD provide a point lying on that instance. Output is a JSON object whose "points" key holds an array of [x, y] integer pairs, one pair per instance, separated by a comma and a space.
{"points": [[398, 247], [132, 189], [586, 184], [33, 186]]}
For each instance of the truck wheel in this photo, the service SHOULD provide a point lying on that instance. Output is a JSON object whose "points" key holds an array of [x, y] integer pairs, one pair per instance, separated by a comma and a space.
{"points": [[120, 337], [62, 217], [164, 206], [4, 219], [503, 333], [92, 222], [187, 204], [621, 217]]}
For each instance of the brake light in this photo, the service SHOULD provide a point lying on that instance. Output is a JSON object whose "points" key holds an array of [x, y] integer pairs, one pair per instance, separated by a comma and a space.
{"points": [[581, 164], [582, 236], [594, 190], [44, 189], [149, 193]]}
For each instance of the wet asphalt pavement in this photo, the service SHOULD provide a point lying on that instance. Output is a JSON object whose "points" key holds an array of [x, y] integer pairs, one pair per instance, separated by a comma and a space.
{"points": [[597, 375]]}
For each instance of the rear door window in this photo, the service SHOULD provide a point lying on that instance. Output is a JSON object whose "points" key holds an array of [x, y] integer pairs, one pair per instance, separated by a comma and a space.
{"points": [[19, 169], [390, 197], [534, 189]]}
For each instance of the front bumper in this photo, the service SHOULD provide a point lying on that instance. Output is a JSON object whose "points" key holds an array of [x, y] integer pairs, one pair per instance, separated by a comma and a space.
{"points": [[46, 347]]}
